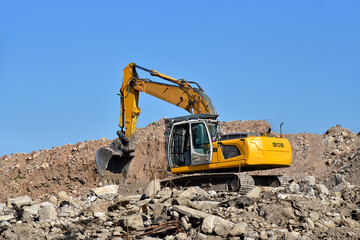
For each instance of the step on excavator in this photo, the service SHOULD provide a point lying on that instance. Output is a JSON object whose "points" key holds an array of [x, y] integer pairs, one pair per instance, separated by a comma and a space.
{"points": [[197, 153]]}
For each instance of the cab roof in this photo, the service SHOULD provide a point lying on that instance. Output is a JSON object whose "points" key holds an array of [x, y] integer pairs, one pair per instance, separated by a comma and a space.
{"points": [[192, 117]]}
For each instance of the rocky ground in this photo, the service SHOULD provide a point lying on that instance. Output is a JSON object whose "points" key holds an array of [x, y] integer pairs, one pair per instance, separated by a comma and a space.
{"points": [[54, 194], [303, 210]]}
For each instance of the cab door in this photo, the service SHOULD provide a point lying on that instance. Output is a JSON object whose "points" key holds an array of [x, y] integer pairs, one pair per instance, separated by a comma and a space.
{"points": [[201, 144], [179, 146]]}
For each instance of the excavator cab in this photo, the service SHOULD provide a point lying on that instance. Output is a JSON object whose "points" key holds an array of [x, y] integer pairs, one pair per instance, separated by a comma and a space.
{"points": [[190, 139], [194, 144]]}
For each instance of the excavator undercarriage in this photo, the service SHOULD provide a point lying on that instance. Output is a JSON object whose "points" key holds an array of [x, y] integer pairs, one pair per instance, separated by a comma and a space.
{"points": [[239, 182]]}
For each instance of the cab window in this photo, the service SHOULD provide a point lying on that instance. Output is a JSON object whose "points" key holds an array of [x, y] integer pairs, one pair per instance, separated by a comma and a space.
{"points": [[200, 138], [213, 131]]}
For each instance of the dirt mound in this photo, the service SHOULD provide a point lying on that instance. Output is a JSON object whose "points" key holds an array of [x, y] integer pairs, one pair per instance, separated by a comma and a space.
{"points": [[260, 126], [38, 174], [333, 158]]}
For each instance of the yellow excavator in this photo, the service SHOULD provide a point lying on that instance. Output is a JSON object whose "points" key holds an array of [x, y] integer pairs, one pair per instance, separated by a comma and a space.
{"points": [[195, 148]]}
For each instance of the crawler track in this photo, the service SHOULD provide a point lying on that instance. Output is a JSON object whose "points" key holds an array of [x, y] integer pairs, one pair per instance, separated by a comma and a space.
{"points": [[240, 182]]}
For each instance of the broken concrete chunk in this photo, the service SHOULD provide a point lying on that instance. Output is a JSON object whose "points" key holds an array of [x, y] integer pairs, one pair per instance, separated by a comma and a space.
{"points": [[53, 200], [203, 205], [165, 193], [314, 216], [308, 190], [133, 222], [208, 224], [100, 215], [67, 211], [321, 189], [293, 187], [192, 192], [119, 201], [188, 193], [159, 211], [63, 196], [328, 223], [190, 212], [255, 192], [291, 235], [214, 224], [310, 223], [30, 212], [223, 227], [47, 212], [106, 192], [311, 180], [19, 201], [340, 187], [238, 230], [6, 217], [153, 188], [70, 209]]}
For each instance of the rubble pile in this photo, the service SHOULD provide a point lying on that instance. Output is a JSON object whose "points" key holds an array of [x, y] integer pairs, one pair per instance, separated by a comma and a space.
{"points": [[303, 210], [342, 153], [57, 194]]}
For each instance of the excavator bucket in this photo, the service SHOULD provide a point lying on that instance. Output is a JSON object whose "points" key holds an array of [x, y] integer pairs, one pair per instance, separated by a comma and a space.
{"points": [[113, 161]]}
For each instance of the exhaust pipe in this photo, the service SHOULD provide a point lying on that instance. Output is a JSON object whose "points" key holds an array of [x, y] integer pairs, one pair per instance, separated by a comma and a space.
{"points": [[281, 134]]}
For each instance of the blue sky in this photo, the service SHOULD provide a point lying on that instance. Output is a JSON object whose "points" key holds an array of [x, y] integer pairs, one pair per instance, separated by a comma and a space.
{"points": [[61, 64]]}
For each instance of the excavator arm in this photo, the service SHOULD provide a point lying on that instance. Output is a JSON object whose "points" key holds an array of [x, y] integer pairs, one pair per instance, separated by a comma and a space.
{"points": [[180, 93]]}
